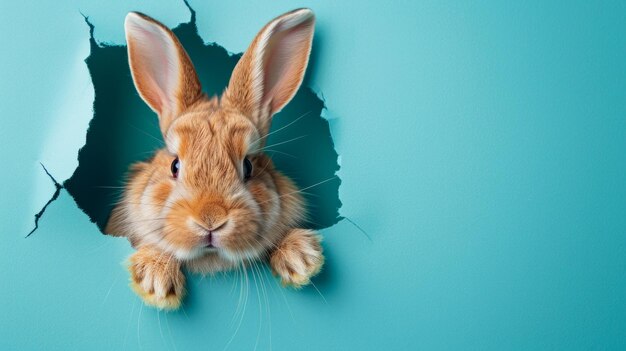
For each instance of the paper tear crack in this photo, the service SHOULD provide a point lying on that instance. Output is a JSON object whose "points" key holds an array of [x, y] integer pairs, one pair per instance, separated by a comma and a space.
{"points": [[56, 194]]}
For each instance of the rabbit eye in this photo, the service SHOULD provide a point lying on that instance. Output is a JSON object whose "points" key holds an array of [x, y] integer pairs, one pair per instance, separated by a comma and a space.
{"points": [[175, 167], [247, 169]]}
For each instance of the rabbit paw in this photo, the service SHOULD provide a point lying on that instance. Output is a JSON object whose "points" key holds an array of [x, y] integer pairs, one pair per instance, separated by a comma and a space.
{"points": [[156, 277], [297, 258]]}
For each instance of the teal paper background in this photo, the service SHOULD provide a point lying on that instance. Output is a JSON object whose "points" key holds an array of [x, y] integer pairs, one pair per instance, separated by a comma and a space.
{"points": [[482, 148]]}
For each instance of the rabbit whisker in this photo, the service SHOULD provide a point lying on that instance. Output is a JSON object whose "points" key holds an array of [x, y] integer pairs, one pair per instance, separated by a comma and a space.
{"points": [[305, 188], [281, 128], [280, 152], [284, 142], [146, 133]]}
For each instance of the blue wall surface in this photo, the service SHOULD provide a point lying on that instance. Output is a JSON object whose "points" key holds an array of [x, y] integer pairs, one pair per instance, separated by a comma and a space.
{"points": [[482, 149]]}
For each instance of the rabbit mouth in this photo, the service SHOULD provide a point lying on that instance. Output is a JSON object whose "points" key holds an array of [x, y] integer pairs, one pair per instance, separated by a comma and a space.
{"points": [[210, 249], [210, 242], [211, 238]]}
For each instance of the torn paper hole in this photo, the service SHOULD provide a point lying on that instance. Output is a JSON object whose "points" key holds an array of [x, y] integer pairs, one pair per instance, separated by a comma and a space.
{"points": [[124, 130]]}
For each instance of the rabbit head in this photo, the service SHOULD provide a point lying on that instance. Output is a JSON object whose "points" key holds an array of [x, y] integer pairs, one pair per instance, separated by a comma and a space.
{"points": [[211, 191]]}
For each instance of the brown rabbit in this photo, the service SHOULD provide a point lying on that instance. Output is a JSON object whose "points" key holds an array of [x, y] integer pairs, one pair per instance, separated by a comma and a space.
{"points": [[211, 200]]}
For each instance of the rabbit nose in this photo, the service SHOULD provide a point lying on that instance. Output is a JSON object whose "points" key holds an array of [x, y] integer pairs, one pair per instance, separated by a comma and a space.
{"points": [[215, 217], [213, 227]]}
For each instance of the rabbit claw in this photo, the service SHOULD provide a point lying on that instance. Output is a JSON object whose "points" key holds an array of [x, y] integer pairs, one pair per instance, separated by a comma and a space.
{"points": [[157, 279], [298, 258]]}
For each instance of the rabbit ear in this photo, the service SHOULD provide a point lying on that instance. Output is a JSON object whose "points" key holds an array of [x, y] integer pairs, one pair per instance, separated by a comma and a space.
{"points": [[270, 72], [163, 73]]}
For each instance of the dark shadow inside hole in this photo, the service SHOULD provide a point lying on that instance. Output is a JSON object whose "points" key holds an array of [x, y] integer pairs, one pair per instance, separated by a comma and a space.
{"points": [[124, 130]]}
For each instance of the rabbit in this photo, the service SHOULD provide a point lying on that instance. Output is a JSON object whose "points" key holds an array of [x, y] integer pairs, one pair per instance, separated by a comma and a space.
{"points": [[211, 199]]}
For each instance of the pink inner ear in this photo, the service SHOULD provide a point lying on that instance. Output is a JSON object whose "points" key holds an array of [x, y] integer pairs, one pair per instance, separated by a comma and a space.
{"points": [[154, 62], [285, 59]]}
